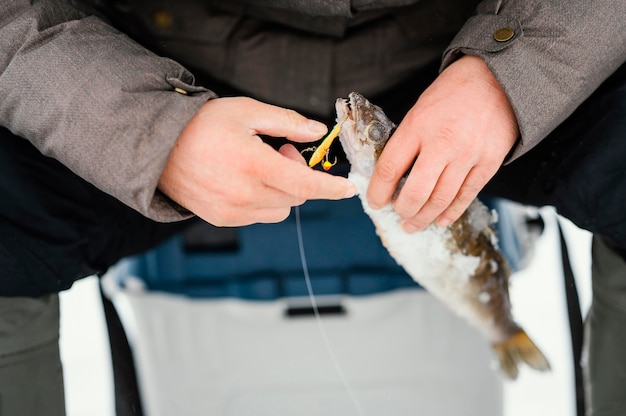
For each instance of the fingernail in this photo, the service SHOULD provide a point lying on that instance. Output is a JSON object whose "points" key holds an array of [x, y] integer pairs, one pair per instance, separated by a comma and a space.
{"points": [[409, 228], [443, 222], [316, 127]]}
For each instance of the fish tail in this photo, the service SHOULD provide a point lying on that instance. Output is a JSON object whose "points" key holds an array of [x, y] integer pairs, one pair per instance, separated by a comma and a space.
{"points": [[519, 348]]}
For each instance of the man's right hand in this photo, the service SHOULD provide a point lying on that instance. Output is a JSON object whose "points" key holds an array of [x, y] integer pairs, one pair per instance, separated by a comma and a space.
{"points": [[222, 171]]}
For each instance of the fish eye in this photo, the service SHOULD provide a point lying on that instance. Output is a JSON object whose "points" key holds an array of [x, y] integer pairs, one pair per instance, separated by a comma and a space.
{"points": [[375, 131]]}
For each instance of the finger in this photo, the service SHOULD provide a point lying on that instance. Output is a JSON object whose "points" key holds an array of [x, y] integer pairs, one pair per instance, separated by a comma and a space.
{"points": [[391, 166], [440, 199], [276, 121], [270, 215], [299, 181], [257, 195], [242, 217], [420, 183], [472, 185], [274, 215], [269, 205], [275, 198]]}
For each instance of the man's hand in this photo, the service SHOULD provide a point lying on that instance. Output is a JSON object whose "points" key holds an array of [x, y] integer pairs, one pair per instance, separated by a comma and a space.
{"points": [[454, 139], [221, 170]]}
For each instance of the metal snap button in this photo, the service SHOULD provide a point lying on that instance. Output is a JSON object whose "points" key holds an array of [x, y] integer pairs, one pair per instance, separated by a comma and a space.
{"points": [[503, 34], [162, 19]]}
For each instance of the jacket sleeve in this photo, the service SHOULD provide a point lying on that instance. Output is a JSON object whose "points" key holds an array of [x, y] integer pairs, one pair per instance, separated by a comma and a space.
{"points": [[88, 96], [549, 56]]}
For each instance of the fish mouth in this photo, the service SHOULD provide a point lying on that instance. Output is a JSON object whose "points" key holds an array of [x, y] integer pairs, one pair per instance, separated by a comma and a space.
{"points": [[347, 113], [344, 109]]}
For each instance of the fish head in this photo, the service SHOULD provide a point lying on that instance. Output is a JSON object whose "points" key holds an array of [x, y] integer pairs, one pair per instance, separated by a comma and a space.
{"points": [[364, 132]]}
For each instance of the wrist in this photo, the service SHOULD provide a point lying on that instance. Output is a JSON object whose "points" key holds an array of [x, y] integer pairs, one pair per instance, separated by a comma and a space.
{"points": [[475, 70]]}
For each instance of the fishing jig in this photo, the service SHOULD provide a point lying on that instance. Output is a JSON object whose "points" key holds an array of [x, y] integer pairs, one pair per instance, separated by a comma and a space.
{"points": [[320, 153]]}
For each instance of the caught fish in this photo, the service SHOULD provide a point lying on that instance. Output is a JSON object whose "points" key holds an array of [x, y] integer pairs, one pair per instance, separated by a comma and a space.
{"points": [[459, 264]]}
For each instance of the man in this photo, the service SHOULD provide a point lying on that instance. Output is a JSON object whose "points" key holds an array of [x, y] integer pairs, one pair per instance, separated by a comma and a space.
{"points": [[110, 125]]}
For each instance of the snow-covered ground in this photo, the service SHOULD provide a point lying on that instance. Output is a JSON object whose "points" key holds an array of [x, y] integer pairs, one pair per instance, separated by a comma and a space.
{"points": [[537, 296]]}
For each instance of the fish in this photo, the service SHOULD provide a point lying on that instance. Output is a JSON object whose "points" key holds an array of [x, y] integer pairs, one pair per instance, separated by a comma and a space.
{"points": [[460, 265]]}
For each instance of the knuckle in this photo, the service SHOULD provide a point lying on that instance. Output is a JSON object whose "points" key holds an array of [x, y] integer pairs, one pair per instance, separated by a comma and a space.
{"points": [[446, 135], [223, 217], [298, 201], [242, 198], [477, 179], [251, 166], [304, 191], [440, 200], [278, 215], [293, 117], [237, 102], [283, 214], [487, 167], [415, 196], [467, 193], [246, 100], [406, 208], [454, 212], [387, 172]]}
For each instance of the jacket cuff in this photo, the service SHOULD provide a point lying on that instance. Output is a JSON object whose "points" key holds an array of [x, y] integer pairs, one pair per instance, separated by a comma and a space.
{"points": [[150, 201], [548, 59], [485, 36]]}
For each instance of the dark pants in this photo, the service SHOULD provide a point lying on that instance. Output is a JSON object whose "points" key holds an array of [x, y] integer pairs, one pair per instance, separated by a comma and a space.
{"points": [[56, 228], [31, 376], [605, 334]]}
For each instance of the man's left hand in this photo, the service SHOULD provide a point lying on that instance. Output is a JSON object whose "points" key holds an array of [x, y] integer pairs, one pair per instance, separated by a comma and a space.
{"points": [[453, 140]]}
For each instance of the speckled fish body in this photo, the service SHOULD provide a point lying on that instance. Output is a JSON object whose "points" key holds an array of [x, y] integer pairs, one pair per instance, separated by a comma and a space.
{"points": [[460, 264]]}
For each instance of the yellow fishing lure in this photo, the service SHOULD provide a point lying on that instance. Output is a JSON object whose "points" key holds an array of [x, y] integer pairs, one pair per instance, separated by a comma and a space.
{"points": [[321, 152]]}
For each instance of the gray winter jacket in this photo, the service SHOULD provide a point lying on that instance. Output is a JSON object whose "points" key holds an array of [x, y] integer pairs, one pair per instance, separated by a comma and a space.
{"points": [[110, 109]]}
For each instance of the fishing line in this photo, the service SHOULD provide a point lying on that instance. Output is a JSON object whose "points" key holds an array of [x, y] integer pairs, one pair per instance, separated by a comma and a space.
{"points": [[318, 318]]}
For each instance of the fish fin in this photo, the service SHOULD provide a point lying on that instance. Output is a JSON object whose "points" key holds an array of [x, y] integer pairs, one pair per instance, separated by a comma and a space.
{"points": [[519, 348]]}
